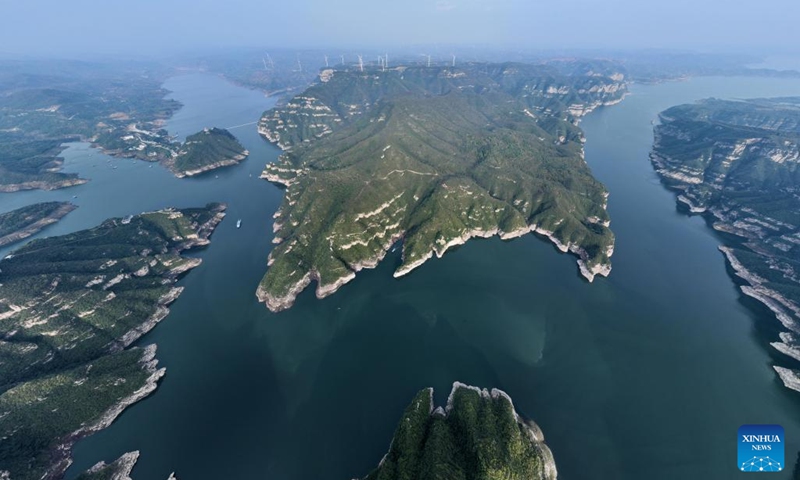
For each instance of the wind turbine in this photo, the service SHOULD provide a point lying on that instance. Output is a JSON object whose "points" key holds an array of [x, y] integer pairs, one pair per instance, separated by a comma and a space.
{"points": [[299, 65]]}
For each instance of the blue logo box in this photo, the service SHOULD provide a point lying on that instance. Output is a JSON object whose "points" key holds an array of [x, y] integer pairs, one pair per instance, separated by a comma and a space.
{"points": [[761, 448]]}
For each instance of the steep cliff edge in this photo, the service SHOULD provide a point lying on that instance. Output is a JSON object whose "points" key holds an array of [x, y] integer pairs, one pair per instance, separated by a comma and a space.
{"points": [[738, 163]]}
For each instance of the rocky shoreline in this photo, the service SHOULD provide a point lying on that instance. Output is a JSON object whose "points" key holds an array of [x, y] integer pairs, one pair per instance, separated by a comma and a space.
{"points": [[284, 302], [41, 185], [136, 372], [279, 303], [162, 310], [226, 162], [62, 452], [717, 172], [37, 226], [785, 311], [790, 378], [148, 361], [120, 468], [308, 118]]}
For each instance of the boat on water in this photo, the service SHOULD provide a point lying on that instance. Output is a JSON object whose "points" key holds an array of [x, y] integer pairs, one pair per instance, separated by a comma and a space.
{"points": [[239, 223]]}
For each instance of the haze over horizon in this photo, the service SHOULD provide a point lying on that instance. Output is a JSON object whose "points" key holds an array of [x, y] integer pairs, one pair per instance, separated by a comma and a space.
{"points": [[40, 28]]}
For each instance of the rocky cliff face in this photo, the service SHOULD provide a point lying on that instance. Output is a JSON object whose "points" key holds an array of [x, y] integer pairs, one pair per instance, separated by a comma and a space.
{"points": [[739, 163]]}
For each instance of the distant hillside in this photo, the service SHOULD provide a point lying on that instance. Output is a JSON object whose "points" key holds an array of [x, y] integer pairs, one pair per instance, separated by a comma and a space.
{"points": [[23, 222], [207, 150]]}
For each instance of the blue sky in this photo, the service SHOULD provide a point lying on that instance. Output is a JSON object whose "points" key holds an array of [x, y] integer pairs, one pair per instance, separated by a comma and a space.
{"points": [[146, 26]]}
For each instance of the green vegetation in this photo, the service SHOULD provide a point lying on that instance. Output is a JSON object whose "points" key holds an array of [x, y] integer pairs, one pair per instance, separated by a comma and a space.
{"points": [[432, 156], [69, 308], [477, 436], [739, 162], [206, 150], [26, 221], [277, 72]]}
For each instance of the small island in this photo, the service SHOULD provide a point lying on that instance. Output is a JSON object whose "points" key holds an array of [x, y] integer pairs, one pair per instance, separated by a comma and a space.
{"points": [[433, 156], [477, 435], [70, 308], [738, 163], [23, 222]]}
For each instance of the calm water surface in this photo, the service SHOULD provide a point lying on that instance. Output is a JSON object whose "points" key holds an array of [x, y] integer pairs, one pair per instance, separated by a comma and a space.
{"points": [[646, 374]]}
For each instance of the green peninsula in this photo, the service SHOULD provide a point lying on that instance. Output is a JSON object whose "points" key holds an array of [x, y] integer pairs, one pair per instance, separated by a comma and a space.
{"points": [[478, 435], [433, 156], [70, 307], [207, 150], [23, 222], [738, 162]]}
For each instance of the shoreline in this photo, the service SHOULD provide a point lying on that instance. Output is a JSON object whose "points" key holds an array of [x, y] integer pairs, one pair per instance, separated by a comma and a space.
{"points": [[790, 378], [122, 466], [278, 303], [778, 305], [62, 452], [225, 162], [783, 309], [39, 225], [283, 302]]}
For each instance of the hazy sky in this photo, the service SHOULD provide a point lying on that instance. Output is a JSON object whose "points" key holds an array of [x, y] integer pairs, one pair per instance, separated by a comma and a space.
{"points": [[73, 26]]}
